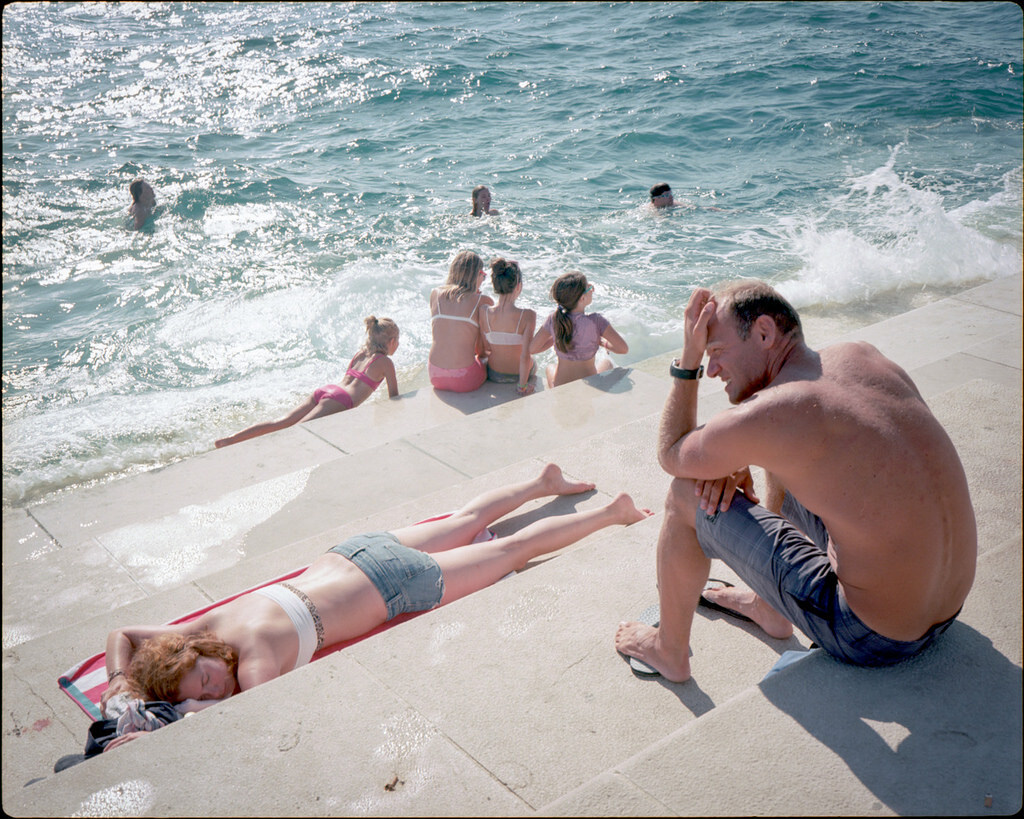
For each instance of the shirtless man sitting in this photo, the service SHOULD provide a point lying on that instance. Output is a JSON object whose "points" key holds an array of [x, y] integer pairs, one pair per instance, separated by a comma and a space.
{"points": [[874, 548], [347, 592]]}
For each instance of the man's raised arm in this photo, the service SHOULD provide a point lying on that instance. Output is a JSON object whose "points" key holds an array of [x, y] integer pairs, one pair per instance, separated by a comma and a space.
{"points": [[679, 417]]}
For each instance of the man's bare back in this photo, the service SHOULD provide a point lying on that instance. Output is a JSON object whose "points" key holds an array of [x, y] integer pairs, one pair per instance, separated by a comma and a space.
{"points": [[858, 446]]}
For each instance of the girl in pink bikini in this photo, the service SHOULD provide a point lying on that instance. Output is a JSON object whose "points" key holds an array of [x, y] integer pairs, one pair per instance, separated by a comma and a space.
{"points": [[456, 361], [367, 369]]}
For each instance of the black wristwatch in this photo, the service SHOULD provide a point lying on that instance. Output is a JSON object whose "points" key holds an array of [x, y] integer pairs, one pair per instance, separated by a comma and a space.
{"points": [[687, 375]]}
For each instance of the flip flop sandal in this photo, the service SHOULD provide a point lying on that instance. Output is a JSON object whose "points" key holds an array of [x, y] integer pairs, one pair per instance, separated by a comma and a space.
{"points": [[710, 604]]}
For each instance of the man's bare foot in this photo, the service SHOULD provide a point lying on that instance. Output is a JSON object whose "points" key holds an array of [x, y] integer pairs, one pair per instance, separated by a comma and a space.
{"points": [[555, 483], [623, 508], [745, 602], [644, 642]]}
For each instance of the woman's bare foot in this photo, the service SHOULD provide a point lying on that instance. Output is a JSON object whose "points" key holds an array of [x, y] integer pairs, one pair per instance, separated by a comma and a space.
{"points": [[745, 602], [644, 642], [625, 511], [555, 483]]}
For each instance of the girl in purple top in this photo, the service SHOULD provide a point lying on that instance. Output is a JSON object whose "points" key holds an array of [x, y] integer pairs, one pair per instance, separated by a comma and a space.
{"points": [[576, 335]]}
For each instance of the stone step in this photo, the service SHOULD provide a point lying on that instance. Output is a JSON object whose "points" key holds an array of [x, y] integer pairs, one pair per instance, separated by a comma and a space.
{"points": [[513, 701], [936, 735]]}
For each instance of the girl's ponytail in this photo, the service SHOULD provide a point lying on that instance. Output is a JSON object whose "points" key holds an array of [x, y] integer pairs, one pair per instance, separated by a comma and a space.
{"points": [[567, 290]]}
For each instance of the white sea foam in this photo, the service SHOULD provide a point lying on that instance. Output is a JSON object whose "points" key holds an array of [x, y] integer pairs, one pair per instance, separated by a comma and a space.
{"points": [[885, 234]]}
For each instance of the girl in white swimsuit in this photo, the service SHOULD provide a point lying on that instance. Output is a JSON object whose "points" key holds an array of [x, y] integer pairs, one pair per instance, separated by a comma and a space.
{"points": [[508, 329]]}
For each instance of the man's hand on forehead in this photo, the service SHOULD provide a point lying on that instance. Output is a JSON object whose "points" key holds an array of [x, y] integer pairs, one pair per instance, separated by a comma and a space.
{"points": [[699, 312]]}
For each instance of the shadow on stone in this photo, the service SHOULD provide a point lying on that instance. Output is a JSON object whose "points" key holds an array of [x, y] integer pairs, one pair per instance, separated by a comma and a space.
{"points": [[945, 723]]}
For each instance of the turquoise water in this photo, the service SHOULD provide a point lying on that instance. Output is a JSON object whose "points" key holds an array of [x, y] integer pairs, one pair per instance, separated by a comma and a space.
{"points": [[313, 163]]}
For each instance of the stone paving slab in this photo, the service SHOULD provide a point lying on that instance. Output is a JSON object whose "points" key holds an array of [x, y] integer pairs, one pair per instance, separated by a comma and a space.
{"points": [[40, 723], [984, 422], [1005, 294], [941, 329], [380, 421], [355, 749], [569, 706], [538, 423], [39, 597], [79, 515], [121, 562], [23, 537], [486, 642]]}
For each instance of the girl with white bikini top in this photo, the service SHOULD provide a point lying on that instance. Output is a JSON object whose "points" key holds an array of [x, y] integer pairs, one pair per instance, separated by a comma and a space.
{"points": [[508, 330]]}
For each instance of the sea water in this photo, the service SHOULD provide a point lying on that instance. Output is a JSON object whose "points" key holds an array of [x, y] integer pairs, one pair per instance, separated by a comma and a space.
{"points": [[313, 164]]}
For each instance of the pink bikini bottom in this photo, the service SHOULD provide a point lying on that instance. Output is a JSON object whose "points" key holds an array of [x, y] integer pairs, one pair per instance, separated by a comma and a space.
{"points": [[335, 393], [461, 379]]}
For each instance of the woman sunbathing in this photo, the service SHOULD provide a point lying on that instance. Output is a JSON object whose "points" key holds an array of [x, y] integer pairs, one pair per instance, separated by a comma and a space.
{"points": [[347, 592]]}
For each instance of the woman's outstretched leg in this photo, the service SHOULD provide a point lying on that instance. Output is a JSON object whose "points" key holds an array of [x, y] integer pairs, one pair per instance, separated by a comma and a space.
{"points": [[479, 565], [459, 528]]}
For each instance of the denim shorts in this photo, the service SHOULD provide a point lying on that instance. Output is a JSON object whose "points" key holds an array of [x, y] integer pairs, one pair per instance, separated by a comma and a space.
{"points": [[407, 579], [785, 561]]}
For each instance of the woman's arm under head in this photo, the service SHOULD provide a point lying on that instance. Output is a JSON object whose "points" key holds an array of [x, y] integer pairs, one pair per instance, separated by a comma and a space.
{"points": [[122, 644]]}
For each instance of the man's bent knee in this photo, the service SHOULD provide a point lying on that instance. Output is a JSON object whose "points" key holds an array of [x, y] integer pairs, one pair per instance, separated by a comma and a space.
{"points": [[681, 502]]}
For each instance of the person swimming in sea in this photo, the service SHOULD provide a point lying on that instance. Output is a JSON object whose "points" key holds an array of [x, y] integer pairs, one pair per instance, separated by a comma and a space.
{"points": [[661, 196], [662, 199], [481, 198], [143, 202]]}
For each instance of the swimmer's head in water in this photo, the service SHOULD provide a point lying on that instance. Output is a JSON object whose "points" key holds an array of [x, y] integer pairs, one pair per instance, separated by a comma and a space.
{"points": [[661, 195]]}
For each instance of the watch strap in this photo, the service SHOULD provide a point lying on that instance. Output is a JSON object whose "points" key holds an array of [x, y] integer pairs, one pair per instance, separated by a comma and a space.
{"points": [[686, 375]]}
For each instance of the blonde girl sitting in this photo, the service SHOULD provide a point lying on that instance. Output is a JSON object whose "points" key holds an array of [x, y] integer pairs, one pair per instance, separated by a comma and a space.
{"points": [[455, 361], [366, 371], [575, 334]]}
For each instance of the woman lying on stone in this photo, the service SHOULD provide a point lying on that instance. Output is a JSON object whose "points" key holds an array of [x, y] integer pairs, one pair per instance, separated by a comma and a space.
{"points": [[347, 592]]}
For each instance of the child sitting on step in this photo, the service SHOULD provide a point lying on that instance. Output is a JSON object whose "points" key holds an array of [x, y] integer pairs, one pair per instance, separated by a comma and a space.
{"points": [[576, 335]]}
